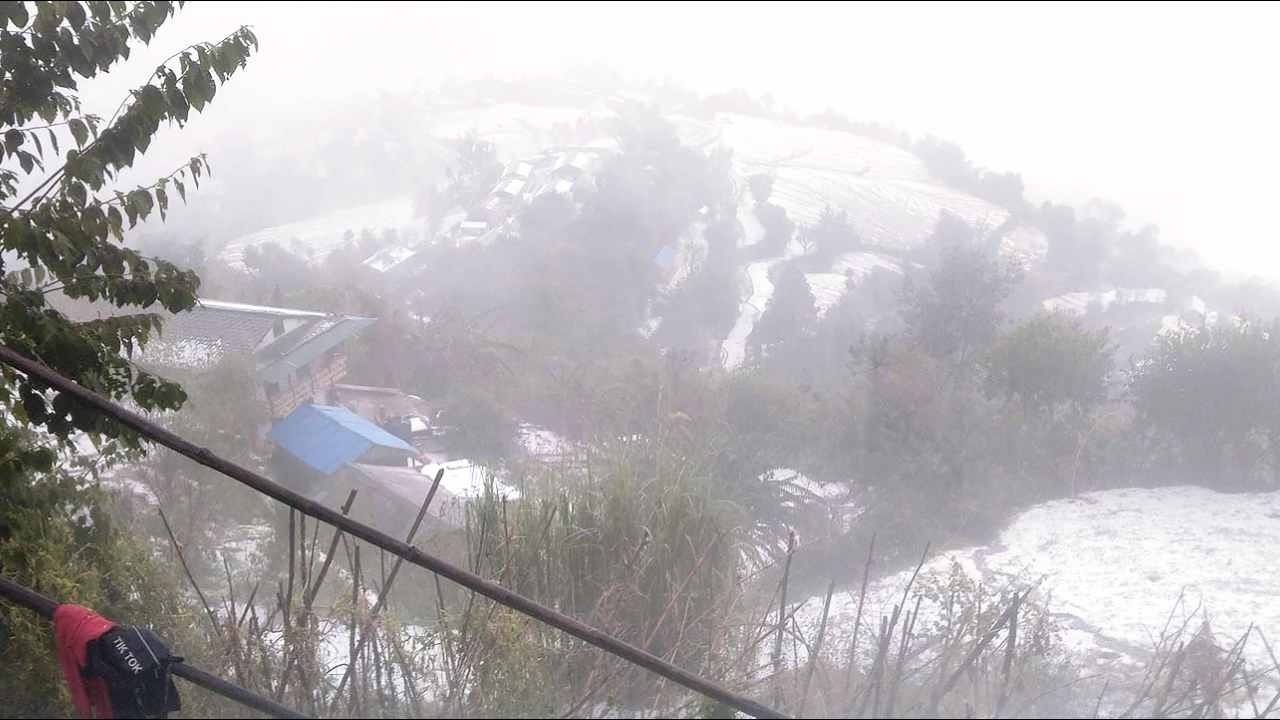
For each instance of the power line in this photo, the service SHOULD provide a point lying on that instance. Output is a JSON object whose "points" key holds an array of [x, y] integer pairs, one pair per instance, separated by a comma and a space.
{"points": [[471, 581], [45, 607]]}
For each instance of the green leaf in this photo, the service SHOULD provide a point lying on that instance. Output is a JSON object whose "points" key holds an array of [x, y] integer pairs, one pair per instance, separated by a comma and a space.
{"points": [[75, 14], [18, 14], [77, 193], [78, 131]]}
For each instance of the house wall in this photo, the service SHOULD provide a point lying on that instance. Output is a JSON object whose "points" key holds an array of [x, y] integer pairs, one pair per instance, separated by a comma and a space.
{"points": [[326, 371]]}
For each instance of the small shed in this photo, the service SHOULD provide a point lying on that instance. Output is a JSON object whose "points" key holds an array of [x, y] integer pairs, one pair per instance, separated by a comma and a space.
{"points": [[324, 437], [389, 499]]}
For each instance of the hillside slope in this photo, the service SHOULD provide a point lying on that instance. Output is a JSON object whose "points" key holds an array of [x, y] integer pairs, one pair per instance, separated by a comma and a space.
{"points": [[1116, 571]]}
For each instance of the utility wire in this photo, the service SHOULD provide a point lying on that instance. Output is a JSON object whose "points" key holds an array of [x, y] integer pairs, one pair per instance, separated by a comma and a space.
{"points": [[469, 580], [45, 607]]}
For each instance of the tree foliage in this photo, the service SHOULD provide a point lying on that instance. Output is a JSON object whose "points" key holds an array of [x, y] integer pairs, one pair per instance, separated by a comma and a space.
{"points": [[791, 313], [957, 313], [65, 233], [1051, 363], [761, 187], [62, 224], [832, 235], [1206, 391]]}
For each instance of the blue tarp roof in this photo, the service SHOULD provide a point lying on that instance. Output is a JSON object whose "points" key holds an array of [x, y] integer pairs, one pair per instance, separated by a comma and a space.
{"points": [[326, 437], [665, 256]]}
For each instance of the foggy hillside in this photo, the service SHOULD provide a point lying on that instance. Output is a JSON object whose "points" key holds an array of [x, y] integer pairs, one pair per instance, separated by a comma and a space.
{"points": [[819, 416]]}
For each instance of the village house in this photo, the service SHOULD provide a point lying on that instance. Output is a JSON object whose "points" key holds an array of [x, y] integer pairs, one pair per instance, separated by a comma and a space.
{"points": [[297, 355], [326, 451]]}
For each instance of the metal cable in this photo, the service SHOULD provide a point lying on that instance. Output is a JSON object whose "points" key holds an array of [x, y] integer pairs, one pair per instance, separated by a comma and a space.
{"points": [[469, 580]]}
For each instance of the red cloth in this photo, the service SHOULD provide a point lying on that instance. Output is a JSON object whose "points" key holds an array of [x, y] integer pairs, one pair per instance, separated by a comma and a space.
{"points": [[76, 627]]}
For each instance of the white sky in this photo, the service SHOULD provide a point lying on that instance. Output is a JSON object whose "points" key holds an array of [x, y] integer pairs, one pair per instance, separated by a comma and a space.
{"points": [[1170, 110]]}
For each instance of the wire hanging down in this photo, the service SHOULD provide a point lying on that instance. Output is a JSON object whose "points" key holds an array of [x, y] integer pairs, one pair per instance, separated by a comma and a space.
{"points": [[44, 607], [469, 580]]}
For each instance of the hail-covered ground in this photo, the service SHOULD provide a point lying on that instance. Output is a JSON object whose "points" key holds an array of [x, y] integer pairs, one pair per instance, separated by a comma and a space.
{"points": [[1114, 572], [314, 238]]}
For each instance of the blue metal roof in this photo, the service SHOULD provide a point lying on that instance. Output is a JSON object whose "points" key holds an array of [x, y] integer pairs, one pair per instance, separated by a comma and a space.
{"points": [[665, 256], [326, 437]]}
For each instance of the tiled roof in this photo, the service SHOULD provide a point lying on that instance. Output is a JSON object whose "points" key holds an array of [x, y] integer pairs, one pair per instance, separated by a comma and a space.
{"points": [[202, 336]]}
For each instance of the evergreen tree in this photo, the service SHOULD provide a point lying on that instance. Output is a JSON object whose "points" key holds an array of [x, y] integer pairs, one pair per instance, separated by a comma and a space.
{"points": [[791, 313]]}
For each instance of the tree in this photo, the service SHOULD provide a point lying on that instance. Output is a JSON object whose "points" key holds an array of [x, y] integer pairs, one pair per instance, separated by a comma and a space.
{"points": [[1208, 392], [1005, 190], [778, 229], [1080, 243], [829, 237], [947, 162], [64, 233], [1051, 363], [957, 314], [761, 186], [791, 313]]}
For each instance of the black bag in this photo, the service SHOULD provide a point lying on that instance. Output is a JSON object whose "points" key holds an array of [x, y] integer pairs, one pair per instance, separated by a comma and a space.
{"points": [[135, 665]]}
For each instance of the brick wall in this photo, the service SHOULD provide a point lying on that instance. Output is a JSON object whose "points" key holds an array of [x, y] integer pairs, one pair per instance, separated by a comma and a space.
{"points": [[297, 390]]}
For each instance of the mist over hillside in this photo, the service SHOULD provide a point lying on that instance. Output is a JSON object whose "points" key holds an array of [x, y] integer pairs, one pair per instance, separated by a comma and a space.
{"points": [[818, 411]]}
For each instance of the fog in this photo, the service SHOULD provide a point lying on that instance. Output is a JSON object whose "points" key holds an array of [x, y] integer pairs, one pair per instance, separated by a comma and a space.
{"points": [[1163, 110], [869, 360]]}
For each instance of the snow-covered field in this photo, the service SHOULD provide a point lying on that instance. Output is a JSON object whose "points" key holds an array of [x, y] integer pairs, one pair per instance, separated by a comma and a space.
{"points": [[860, 264], [516, 131], [545, 445], [889, 195], [827, 289], [466, 479], [1078, 303], [735, 346], [319, 236], [1110, 568]]}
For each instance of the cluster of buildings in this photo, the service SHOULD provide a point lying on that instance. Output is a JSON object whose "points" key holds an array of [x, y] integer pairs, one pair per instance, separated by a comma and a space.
{"points": [[325, 438], [561, 171]]}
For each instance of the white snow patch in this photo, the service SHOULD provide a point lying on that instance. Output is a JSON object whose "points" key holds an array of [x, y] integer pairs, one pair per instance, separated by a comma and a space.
{"points": [[244, 545], [1078, 303], [466, 479], [735, 346], [321, 235], [545, 445], [889, 194], [827, 289], [387, 258], [1111, 566], [752, 230], [860, 264]]}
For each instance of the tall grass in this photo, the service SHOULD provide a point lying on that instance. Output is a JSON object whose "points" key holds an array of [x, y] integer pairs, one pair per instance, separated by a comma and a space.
{"points": [[640, 540], [637, 540]]}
